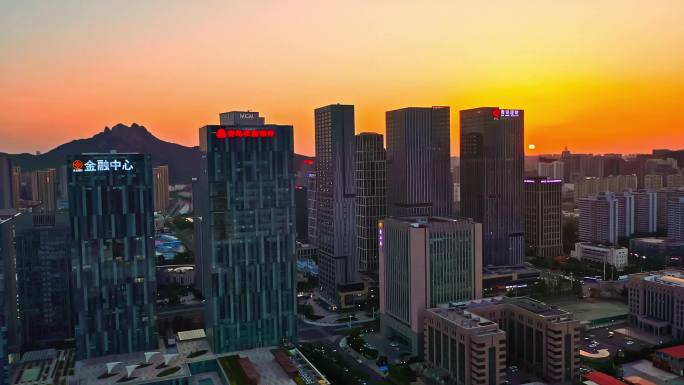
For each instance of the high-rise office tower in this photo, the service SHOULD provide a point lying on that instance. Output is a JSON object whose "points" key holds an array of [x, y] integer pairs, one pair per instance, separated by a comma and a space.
{"points": [[9, 326], [161, 188], [335, 200], [16, 186], [425, 262], [6, 183], [43, 280], [370, 197], [418, 162], [112, 255], [247, 230], [543, 216], [675, 219], [492, 173], [44, 189], [311, 208], [599, 219]]}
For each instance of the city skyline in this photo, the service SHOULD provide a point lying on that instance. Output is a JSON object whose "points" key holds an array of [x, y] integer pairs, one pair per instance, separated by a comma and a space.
{"points": [[600, 87]]}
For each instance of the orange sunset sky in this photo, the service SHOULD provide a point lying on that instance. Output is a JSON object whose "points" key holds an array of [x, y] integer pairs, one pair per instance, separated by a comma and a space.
{"points": [[597, 76]]}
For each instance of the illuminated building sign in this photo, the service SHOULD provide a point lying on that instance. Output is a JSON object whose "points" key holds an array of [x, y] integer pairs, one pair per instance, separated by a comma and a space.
{"points": [[246, 115], [222, 133], [543, 181], [308, 161], [499, 113], [94, 165]]}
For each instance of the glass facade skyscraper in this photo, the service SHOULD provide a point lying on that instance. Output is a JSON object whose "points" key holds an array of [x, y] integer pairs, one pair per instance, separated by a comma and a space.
{"points": [[43, 280], [418, 162], [492, 174], [113, 257], [9, 328], [335, 232], [246, 213], [370, 197]]}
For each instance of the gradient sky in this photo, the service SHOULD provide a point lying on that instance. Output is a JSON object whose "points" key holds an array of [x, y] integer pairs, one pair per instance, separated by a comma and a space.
{"points": [[597, 76]]}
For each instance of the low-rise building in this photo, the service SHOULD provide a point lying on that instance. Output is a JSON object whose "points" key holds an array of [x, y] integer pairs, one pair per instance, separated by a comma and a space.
{"points": [[667, 251], [605, 254], [656, 302], [541, 339], [670, 359], [471, 348]]}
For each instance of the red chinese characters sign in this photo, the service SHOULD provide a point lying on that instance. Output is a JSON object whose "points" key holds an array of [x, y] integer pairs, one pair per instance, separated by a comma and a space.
{"points": [[223, 133]]}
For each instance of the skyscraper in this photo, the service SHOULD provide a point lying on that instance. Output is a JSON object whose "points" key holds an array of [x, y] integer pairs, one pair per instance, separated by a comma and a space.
{"points": [[492, 170], [311, 209], [161, 188], [6, 183], [43, 280], [112, 254], [598, 220], [9, 327], [418, 162], [44, 189], [246, 205], [543, 216], [370, 197], [335, 201], [425, 262]]}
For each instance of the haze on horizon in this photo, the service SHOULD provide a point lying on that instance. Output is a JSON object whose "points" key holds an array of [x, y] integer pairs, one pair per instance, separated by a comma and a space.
{"points": [[595, 76]]}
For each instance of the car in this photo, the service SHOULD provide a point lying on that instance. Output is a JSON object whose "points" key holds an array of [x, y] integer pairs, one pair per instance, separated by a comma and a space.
{"points": [[610, 334], [629, 342], [360, 361], [593, 346], [513, 368], [394, 344]]}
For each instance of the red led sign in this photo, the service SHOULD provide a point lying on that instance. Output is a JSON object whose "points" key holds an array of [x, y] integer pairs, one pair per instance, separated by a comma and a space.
{"points": [[222, 133], [496, 112], [308, 161]]}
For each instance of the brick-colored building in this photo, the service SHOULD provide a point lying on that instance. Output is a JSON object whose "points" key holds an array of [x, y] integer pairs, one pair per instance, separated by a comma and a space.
{"points": [[471, 348]]}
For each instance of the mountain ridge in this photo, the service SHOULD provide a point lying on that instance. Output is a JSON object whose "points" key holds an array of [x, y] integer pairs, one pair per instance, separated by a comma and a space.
{"points": [[183, 161]]}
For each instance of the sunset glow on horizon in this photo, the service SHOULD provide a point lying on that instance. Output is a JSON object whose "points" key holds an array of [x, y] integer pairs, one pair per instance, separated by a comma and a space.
{"points": [[595, 77]]}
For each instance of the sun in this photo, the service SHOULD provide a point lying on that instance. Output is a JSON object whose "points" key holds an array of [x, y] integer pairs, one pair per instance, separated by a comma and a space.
{"points": [[531, 146]]}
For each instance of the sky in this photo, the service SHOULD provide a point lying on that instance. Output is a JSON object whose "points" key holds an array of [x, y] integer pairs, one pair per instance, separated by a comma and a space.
{"points": [[595, 76]]}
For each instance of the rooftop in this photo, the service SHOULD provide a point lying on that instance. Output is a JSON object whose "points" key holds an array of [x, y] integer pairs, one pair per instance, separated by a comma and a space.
{"points": [[462, 317], [667, 277], [535, 306], [602, 379], [674, 351]]}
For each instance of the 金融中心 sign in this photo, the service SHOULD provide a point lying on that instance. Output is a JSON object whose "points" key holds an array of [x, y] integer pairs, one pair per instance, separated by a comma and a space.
{"points": [[95, 165]]}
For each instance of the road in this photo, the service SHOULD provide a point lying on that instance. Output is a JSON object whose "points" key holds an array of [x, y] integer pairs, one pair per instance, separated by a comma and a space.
{"points": [[330, 337]]}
